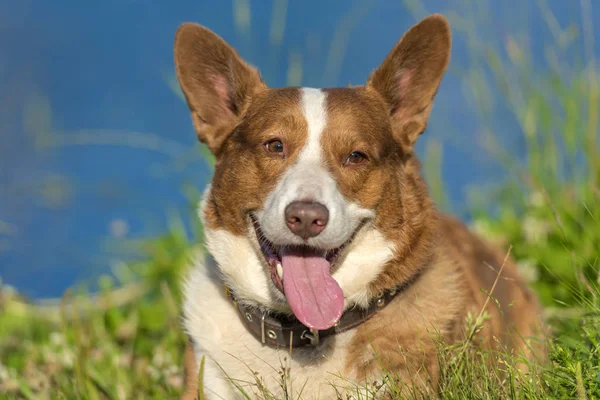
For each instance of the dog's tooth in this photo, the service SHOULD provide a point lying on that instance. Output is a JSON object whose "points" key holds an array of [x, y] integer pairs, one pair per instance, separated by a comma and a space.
{"points": [[279, 270]]}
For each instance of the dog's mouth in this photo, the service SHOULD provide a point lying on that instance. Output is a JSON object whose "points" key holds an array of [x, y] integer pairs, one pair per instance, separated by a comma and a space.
{"points": [[303, 274]]}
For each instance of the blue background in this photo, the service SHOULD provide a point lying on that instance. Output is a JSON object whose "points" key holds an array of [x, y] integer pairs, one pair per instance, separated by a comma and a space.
{"points": [[96, 142]]}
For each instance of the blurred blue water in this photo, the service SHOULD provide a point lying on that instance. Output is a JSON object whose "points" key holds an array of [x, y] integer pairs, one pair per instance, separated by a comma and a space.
{"points": [[99, 72]]}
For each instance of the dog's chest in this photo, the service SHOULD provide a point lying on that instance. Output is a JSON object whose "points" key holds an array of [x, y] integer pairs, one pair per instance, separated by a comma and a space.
{"points": [[231, 351]]}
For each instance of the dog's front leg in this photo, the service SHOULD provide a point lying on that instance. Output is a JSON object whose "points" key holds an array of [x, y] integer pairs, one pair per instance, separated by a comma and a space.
{"points": [[190, 377], [214, 383]]}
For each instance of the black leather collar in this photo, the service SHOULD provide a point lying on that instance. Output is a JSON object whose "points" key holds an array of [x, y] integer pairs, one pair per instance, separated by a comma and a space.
{"points": [[282, 331]]}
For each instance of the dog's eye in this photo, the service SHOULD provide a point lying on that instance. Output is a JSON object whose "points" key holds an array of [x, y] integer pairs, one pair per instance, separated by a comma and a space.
{"points": [[274, 146], [355, 158]]}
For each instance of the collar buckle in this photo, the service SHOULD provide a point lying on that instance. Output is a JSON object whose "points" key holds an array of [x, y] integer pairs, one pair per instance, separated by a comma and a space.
{"points": [[262, 328], [313, 336]]}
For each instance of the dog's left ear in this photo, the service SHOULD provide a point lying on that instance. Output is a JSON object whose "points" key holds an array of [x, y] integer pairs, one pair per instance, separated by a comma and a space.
{"points": [[409, 77]]}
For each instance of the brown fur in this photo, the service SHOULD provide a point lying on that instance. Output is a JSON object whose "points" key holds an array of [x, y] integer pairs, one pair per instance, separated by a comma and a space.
{"points": [[235, 114], [244, 165], [457, 281]]}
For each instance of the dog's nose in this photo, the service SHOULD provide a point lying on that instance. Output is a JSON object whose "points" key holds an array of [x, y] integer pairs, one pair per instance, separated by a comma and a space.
{"points": [[306, 219]]}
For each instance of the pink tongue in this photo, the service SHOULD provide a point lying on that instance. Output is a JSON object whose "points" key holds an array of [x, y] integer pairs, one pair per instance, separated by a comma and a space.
{"points": [[314, 296]]}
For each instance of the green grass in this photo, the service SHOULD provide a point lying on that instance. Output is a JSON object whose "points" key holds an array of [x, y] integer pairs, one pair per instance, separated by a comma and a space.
{"points": [[128, 344], [125, 341]]}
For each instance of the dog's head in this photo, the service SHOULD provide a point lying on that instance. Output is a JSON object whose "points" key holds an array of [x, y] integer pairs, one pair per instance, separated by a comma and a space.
{"points": [[316, 202]]}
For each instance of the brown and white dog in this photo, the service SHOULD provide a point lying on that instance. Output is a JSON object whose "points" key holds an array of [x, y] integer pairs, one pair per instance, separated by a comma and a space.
{"points": [[325, 254]]}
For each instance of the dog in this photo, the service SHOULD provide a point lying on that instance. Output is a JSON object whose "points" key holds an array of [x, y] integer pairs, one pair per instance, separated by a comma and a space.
{"points": [[326, 260]]}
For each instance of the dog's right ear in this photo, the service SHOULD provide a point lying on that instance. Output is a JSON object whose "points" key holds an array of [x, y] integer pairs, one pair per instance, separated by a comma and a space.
{"points": [[217, 83]]}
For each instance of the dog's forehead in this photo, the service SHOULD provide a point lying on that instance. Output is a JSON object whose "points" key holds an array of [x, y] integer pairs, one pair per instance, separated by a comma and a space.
{"points": [[357, 101], [346, 111]]}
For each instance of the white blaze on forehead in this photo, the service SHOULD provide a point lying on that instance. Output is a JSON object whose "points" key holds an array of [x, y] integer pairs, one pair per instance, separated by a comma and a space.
{"points": [[313, 108]]}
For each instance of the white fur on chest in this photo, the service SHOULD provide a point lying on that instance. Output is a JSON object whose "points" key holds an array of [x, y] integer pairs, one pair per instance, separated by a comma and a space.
{"points": [[234, 357]]}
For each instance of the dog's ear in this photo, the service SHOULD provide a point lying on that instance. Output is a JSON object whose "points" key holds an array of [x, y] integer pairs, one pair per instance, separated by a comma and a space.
{"points": [[410, 75], [217, 83]]}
